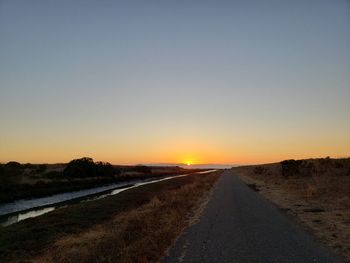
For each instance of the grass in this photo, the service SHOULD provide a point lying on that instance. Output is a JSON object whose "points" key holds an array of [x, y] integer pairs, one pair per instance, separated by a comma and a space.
{"points": [[27, 186], [319, 197], [137, 225]]}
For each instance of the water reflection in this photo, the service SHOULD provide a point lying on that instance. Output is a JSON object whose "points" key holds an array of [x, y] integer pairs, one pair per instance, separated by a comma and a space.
{"points": [[33, 210], [22, 216], [25, 204]]}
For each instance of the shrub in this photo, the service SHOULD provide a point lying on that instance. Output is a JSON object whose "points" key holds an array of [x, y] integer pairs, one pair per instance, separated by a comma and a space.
{"points": [[307, 168], [85, 167], [290, 167], [12, 169], [13, 165], [297, 168], [104, 169]]}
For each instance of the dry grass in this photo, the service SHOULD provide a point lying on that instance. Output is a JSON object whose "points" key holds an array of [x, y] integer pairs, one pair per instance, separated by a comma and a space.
{"points": [[319, 200], [139, 235]]}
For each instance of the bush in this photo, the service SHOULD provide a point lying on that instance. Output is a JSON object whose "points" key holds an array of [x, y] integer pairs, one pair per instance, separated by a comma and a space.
{"points": [[290, 167], [307, 169], [104, 169], [85, 167], [13, 165], [12, 169], [297, 168]]}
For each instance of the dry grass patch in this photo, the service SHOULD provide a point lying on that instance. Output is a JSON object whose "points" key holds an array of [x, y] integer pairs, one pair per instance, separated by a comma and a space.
{"points": [[139, 235], [320, 198]]}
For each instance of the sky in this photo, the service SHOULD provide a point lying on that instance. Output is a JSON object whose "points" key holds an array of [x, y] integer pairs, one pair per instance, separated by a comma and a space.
{"points": [[131, 82]]}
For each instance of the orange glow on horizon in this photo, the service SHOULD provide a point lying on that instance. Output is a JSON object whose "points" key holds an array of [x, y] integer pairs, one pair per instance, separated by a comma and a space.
{"points": [[188, 149]]}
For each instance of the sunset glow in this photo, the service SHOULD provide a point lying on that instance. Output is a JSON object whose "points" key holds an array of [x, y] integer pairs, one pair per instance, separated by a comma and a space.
{"points": [[174, 82]]}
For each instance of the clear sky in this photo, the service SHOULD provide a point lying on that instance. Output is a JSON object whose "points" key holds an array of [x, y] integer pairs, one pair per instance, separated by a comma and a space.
{"points": [[174, 81]]}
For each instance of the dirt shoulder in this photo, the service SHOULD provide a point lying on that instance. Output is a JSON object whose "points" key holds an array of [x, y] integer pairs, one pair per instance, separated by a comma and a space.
{"points": [[320, 201]]}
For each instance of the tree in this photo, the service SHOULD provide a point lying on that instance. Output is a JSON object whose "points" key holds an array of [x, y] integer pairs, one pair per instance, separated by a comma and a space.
{"points": [[13, 169], [104, 169], [86, 167], [13, 165], [83, 167]]}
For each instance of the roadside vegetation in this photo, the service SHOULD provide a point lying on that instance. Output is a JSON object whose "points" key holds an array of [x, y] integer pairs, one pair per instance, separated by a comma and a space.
{"points": [[137, 225], [21, 181], [316, 191]]}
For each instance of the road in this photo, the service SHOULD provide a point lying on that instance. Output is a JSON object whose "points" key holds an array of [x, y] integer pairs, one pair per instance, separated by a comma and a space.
{"points": [[239, 225]]}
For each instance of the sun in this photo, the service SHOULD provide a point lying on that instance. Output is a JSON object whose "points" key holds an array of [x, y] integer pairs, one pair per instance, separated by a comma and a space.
{"points": [[188, 163]]}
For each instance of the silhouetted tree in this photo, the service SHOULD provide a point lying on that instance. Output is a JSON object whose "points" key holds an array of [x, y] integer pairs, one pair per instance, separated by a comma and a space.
{"points": [[104, 169], [13, 168], [85, 167], [13, 165]]}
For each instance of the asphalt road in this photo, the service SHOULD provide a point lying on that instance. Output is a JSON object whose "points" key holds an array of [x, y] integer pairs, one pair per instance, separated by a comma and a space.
{"points": [[239, 225]]}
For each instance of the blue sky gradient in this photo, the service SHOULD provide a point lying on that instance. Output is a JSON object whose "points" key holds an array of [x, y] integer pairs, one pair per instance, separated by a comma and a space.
{"points": [[167, 81]]}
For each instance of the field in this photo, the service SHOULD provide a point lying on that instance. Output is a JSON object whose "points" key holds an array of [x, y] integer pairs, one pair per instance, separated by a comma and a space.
{"points": [[138, 223], [315, 191]]}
